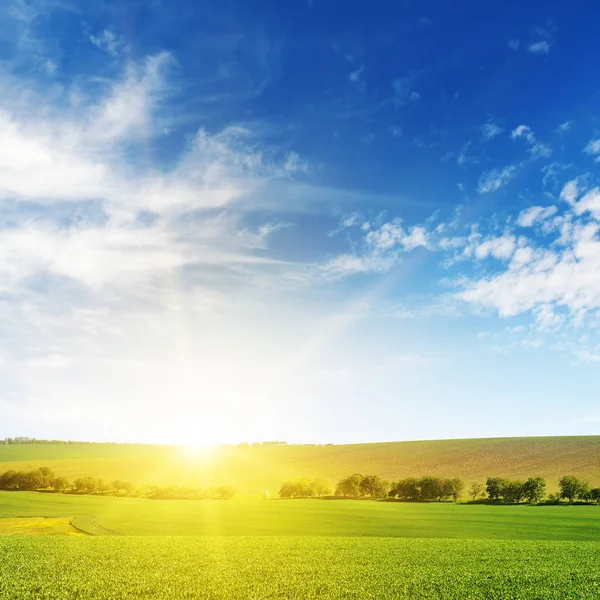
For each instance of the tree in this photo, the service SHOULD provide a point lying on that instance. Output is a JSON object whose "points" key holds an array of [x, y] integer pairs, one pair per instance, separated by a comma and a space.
{"points": [[512, 492], [476, 490], [432, 488], [494, 486], [350, 486], [225, 492], [534, 489], [61, 484], [373, 486], [408, 489], [595, 494], [457, 486], [85, 485], [46, 477], [9, 480], [321, 487], [571, 487]]}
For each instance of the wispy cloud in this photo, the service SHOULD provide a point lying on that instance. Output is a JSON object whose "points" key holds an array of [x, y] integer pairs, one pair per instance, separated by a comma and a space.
{"points": [[108, 41], [593, 148], [496, 178], [536, 149], [490, 131], [540, 47], [566, 126], [404, 92]]}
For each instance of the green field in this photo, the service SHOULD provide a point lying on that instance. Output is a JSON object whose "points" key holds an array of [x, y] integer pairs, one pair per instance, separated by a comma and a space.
{"points": [[251, 469], [59, 546], [291, 567], [133, 516]]}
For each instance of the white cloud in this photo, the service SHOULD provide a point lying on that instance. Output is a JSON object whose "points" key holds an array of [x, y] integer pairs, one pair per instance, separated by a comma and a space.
{"points": [[541, 47], [557, 283], [107, 41], [536, 149], [523, 131], [396, 131], [566, 126], [490, 130], [540, 151], [502, 247], [496, 178], [513, 44], [593, 148], [294, 164], [534, 215], [570, 191]]}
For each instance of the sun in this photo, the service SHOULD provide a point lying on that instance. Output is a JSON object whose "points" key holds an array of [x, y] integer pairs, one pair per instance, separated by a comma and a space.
{"points": [[199, 450]]}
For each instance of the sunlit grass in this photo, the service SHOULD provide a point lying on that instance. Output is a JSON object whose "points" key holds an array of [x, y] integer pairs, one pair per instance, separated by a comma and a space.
{"points": [[290, 567], [37, 526]]}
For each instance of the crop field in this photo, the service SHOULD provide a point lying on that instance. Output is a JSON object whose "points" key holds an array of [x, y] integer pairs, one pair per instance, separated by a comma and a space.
{"points": [[65, 546], [132, 516], [251, 469], [291, 567], [37, 526]]}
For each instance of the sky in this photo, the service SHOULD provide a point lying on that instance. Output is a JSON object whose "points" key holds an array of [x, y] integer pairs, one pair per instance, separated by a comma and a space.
{"points": [[314, 221]]}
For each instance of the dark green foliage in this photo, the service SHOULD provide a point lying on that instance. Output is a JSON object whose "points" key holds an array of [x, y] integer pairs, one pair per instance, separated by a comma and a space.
{"points": [[494, 486], [374, 486], [350, 486], [514, 491], [572, 488], [534, 489], [428, 488]]}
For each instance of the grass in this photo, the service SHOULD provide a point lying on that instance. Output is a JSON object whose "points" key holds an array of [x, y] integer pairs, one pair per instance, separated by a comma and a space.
{"points": [[131, 516], [37, 526], [255, 468], [269, 568]]}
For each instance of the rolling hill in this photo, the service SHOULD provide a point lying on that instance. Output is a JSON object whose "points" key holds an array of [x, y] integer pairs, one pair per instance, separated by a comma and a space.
{"points": [[253, 468]]}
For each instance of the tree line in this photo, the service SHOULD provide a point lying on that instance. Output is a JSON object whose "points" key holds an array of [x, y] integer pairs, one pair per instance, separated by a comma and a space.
{"points": [[533, 490], [44, 480], [431, 488]]}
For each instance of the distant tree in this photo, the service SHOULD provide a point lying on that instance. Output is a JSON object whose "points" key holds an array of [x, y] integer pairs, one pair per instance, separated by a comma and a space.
{"points": [[46, 477], [321, 487], [373, 486], [61, 484], [9, 480], [287, 489], [408, 489], [432, 488], [457, 488], [30, 480], [476, 490], [350, 486], [225, 492], [493, 487], [512, 492], [595, 494], [572, 487], [85, 485], [534, 489]]}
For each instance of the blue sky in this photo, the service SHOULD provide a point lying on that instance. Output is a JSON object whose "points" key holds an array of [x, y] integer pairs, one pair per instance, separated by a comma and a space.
{"points": [[316, 221]]}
